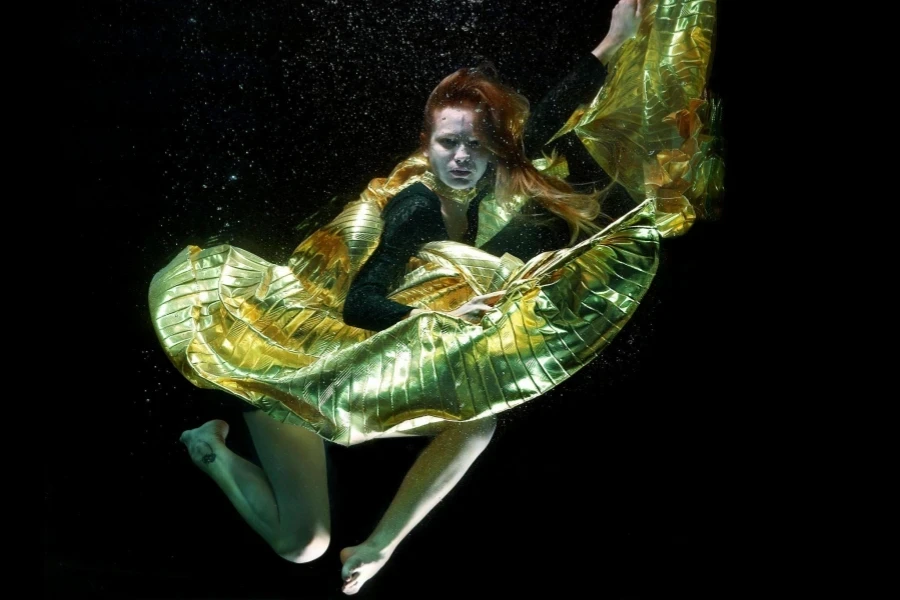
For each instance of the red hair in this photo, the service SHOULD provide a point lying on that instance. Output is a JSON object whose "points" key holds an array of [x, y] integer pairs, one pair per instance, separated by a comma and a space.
{"points": [[501, 114]]}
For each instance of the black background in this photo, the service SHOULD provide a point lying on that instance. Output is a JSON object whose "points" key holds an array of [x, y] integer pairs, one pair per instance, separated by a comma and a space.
{"points": [[186, 121]]}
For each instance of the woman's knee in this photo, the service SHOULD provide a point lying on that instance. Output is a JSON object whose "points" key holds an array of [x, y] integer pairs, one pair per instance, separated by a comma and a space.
{"points": [[480, 430], [302, 548]]}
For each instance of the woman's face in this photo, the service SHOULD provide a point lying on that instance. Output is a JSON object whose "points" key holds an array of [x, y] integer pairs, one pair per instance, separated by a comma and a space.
{"points": [[456, 155]]}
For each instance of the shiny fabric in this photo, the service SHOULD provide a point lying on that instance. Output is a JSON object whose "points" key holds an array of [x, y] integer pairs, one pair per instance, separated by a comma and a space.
{"points": [[272, 335], [652, 125]]}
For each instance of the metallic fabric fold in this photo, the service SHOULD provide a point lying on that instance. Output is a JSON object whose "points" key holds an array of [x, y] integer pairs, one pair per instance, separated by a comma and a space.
{"points": [[232, 321]]}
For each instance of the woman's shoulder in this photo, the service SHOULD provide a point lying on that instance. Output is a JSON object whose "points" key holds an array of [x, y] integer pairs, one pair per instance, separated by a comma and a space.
{"points": [[413, 197], [414, 206]]}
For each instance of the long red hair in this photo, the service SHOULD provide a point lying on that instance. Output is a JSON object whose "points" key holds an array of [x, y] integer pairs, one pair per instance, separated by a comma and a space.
{"points": [[501, 116]]}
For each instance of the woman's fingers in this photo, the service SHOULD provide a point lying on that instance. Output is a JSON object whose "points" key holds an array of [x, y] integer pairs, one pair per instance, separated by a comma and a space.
{"points": [[490, 298], [490, 295], [472, 310]]}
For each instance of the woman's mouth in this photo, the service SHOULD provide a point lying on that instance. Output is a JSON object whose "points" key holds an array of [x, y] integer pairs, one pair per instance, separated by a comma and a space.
{"points": [[460, 172]]}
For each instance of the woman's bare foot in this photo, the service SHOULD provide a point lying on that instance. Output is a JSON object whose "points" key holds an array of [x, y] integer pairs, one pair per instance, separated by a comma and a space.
{"points": [[361, 563], [206, 443]]}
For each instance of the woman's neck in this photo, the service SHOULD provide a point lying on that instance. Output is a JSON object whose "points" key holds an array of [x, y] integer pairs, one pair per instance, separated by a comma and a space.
{"points": [[448, 195], [454, 205]]}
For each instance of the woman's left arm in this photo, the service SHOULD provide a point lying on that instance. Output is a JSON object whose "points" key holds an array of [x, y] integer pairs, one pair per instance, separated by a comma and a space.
{"points": [[583, 82], [551, 113], [626, 18]]}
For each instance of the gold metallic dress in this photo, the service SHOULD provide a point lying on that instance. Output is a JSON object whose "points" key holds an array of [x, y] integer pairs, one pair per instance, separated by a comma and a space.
{"points": [[272, 334]]}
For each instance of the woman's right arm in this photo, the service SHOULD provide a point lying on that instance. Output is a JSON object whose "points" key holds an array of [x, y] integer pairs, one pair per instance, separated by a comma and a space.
{"points": [[409, 222]]}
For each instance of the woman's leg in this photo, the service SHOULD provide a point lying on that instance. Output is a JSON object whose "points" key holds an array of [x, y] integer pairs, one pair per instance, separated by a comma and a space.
{"points": [[286, 502], [439, 467]]}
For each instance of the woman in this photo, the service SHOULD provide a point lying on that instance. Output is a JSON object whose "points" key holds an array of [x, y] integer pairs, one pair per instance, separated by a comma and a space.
{"points": [[470, 148], [425, 355]]}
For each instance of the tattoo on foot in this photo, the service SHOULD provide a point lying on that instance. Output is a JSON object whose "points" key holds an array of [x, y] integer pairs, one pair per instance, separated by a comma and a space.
{"points": [[210, 457]]}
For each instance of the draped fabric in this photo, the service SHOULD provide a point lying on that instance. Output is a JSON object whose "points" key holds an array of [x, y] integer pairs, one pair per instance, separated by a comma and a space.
{"points": [[272, 335]]}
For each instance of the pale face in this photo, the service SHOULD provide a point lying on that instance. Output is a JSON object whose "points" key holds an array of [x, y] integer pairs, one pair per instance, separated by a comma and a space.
{"points": [[456, 155]]}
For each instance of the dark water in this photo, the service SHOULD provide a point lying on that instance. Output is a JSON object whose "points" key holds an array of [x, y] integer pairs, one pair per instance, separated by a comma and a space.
{"points": [[194, 120]]}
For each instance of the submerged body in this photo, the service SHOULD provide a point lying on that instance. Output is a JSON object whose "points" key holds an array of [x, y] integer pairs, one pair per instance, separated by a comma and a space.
{"points": [[380, 325]]}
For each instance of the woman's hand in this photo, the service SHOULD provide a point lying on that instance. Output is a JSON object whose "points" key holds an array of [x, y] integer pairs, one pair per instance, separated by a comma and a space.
{"points": [[473, 310], [626, 18]]}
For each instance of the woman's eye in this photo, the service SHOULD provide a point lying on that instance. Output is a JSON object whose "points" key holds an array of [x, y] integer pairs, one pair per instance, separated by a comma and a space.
{"points": [[474, 143]]}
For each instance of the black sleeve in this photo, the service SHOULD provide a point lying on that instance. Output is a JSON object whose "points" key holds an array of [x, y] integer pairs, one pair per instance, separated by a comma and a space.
{"points": [[551, 113], [410, 221]]}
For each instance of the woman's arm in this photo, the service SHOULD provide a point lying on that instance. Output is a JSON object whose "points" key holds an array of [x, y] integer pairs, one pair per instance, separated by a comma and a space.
{"points": [[551, 113], [580, 85], [411, 219]]}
